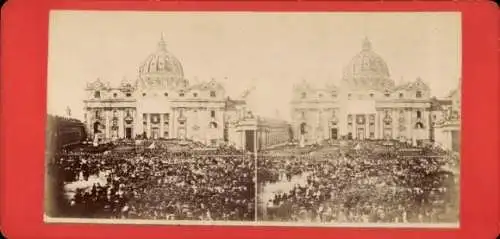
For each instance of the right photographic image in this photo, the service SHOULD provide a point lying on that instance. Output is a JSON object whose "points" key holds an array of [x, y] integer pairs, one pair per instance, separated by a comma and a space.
{"points": [[370, 131]]}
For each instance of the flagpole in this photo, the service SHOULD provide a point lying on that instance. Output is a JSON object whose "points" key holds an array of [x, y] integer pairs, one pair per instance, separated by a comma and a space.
{"points": [[256, 199]]}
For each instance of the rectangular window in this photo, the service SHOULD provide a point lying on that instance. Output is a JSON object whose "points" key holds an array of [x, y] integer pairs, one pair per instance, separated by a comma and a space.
{"points": [[212, 113], [212, 94], [372, 135]]}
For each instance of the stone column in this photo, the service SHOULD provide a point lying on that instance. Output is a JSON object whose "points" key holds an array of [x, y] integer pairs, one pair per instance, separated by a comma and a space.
{"points": [[90, 128], [395, 123], [121, 125], [243, 143], [255, 141], [108, 124], [138, 124], [367, 126], [426, 116], [377, 125], [149, 125], [173, 124], [162, 123]]}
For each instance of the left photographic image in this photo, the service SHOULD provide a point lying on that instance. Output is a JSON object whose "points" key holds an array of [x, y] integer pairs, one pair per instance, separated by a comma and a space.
{"points": [[131, 136]]}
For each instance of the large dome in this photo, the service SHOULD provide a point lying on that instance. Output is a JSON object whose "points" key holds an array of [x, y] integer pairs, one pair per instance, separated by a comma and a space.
{"points": [[162, 63], [367, 71]]}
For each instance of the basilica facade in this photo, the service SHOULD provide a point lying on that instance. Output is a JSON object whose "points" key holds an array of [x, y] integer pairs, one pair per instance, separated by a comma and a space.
{"points": [[159, 104], [162, 104], [367, 104]]}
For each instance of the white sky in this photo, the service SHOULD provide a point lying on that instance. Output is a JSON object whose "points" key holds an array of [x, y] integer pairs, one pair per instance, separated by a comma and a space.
{"points": [[271, 50]]}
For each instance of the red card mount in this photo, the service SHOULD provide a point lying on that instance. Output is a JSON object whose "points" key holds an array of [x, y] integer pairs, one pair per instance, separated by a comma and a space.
{"points": [[24, 49]]}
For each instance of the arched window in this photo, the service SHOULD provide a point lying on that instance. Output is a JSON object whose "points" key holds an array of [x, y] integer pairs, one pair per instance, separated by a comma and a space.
{"points": [[97, 94], [96, 127], [371, 95], [213, 125], [143, 94], [419, 114], [303, 128], [181, 94], [115, 95], [128, 94], [419, 125], [419, 94], [165, 94], [401, 95], [195, 94]]}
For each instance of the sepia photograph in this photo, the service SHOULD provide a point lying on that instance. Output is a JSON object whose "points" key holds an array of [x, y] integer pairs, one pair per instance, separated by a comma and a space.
{"points": [[246, 118]]}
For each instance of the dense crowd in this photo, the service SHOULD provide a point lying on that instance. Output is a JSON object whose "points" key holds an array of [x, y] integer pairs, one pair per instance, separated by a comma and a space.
{"points": [[364, 182], [155, 183]]}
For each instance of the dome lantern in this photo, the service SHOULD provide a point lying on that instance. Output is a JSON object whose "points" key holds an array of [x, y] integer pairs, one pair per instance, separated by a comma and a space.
{"points": [[162, 46], [367, 45]]}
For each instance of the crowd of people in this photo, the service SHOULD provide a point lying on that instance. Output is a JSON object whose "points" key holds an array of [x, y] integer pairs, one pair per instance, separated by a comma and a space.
{"points": [[349, 181], [155, 183], [363, 182]]}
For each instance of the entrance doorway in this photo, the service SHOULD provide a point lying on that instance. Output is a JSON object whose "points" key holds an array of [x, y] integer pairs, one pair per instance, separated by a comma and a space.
{"points": [[333, 133], [96, 127], [249, 140], [155, 133], [181, 133], [128, 133], [360, 134]]}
